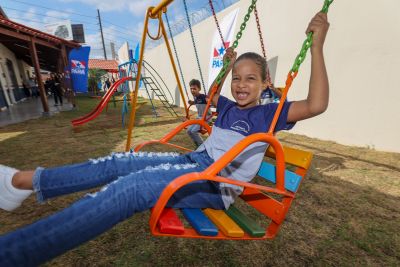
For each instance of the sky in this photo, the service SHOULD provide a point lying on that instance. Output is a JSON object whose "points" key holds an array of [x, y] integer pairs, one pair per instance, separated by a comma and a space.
{"points": [[122, 20]]}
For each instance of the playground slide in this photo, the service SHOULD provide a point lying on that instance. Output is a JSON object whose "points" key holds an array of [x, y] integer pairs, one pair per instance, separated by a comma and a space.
{"points": [[103, 103]]}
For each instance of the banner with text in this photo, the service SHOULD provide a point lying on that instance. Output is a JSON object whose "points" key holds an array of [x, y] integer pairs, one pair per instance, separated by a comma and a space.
{"points": [[79, 66], [217, 48]]}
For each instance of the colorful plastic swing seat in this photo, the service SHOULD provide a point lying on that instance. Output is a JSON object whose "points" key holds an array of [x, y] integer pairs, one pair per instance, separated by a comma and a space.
{"points": [[233, 223]]}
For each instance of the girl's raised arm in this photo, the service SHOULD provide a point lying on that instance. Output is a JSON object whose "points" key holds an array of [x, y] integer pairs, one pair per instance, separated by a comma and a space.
{"points": [[318, 93]]}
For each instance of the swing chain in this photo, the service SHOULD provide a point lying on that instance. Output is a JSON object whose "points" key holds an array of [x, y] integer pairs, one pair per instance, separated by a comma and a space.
{"points": [[236, 42], [308, 42], [243, 25], [176, 54], [216, 22], [262, 43], [259, 32], [194, 45], [327, 3]]}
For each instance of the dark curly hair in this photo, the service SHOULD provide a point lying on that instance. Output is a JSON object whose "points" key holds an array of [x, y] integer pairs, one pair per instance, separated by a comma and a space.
{"points": [[258, 59], [195, 82]]}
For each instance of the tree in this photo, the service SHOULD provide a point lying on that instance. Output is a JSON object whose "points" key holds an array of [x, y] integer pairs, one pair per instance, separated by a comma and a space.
{"points": [[94, 79]]}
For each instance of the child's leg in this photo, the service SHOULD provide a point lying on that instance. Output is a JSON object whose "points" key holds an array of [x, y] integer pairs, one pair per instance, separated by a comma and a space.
{"points": [[193, 132], [67, 179], [96, 213]]}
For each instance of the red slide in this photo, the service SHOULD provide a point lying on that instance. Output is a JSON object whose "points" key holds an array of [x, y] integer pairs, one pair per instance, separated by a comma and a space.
{"points": [[103, 103]]}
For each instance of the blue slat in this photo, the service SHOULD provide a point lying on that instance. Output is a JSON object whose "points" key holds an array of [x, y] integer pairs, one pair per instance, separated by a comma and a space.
{"points": [[292, 180], [200, 222]]}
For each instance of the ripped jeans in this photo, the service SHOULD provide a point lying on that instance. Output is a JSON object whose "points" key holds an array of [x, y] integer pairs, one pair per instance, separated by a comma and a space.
{"points": [[134, 181]]}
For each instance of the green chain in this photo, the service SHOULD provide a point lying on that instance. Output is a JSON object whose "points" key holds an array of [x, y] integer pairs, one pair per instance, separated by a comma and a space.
{"points": [[308, 42], [236, 42]]}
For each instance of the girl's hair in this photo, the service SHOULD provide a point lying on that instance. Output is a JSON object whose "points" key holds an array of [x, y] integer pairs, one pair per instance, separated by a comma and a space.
{"points": [[258, 59]]}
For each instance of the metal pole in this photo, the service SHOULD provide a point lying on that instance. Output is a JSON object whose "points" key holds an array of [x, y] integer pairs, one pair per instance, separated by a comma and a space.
{"points": [[135, 93], [164, 33], [102, 37], [160, 6], [36, 65]]}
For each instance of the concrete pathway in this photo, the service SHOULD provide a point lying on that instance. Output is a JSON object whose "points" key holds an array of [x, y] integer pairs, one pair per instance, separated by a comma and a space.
{"points": [[30, 109]]}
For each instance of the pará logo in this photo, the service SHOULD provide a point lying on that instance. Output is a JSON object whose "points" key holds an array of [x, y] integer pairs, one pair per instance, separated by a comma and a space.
{"points": [[218, 55]]}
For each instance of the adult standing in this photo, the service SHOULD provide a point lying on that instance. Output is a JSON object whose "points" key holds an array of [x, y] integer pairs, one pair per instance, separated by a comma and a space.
{"points": [[55, 84]]}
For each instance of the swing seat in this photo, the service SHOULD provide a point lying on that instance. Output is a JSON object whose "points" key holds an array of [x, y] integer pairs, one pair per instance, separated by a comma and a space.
{"points": [[234, 223]]}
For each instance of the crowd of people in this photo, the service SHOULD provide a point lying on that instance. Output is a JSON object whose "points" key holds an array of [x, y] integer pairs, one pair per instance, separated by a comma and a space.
{"points": [[56, 85]]}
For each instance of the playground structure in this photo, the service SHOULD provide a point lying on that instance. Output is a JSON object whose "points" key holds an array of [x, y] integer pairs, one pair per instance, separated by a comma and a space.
{"points": [[127, 72], [101, 105], [231, 224], [150, 80]]}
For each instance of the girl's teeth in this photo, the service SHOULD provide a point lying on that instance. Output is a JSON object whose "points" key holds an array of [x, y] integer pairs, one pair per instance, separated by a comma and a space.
{"points": [[242, 95]]}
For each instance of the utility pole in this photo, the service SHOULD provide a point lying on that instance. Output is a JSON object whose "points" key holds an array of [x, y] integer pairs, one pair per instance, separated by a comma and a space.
{"points": [[102, 37]]}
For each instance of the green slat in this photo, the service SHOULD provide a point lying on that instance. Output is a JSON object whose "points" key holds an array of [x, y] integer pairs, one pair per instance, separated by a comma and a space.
{"points": [[247, 224]]}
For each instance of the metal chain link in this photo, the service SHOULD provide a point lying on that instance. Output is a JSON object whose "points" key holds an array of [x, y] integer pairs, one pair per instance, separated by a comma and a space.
{"points": [[216, 22], [327, 3], [236, 42], [262, 42], [176, 54], [259, 31], [194, 46], [308, 42]]}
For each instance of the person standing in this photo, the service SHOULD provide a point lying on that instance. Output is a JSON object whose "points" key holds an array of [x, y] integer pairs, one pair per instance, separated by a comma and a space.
{"points": [[55, 86]]}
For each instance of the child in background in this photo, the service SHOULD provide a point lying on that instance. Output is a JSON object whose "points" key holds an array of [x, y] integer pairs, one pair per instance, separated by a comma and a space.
{"points": [[134, 181], [270, 95], [200, 101]]}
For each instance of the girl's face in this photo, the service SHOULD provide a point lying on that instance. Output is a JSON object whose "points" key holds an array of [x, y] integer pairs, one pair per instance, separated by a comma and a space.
{"points": [[247, 83]]}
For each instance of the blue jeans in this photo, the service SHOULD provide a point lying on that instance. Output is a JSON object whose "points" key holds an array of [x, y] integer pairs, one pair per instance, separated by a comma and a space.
{"points": [[134, 181], [193, 132]]}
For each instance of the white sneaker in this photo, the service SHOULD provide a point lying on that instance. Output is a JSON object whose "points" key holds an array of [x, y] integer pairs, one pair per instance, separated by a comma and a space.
{"points": [[10, 197]]}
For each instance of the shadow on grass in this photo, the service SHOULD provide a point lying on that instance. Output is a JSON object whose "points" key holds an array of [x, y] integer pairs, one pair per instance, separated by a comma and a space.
{"points": [[343, 155]]}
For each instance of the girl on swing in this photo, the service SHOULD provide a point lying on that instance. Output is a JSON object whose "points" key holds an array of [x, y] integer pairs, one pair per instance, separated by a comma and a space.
{"points": [[134, 181]]}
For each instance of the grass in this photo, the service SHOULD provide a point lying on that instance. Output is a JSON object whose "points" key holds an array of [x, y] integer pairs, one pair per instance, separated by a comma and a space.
{"points": [[347, 212]]}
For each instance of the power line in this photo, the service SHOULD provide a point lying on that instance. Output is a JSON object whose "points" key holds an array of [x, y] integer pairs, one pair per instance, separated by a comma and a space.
{"points": [[44, 23], [121, 31], [119, 26], [47, 16], [74, 13], [59, 10]]}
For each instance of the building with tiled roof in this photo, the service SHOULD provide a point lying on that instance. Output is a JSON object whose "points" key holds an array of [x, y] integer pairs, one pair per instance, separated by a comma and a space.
{"points": [[107, 65]]}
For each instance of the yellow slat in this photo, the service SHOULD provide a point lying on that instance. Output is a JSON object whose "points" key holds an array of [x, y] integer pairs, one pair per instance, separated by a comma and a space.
{"points": [[293, 156], [227, 226]]}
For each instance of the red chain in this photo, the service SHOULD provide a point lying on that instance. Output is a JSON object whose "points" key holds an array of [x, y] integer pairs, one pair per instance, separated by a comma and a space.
{"points": [[216, 22], [262, 42]]}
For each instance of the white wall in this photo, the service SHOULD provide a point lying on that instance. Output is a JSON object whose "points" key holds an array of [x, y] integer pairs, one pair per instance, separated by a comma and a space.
{"points": [[5, 79], [5, 54], [361, 54]]}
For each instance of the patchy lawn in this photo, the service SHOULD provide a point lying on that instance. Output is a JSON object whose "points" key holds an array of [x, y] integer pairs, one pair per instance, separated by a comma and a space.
{"points": [[347, 211]]}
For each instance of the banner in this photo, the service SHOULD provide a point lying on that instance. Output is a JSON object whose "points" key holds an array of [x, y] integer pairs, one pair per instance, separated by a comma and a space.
{"points": [[217, 48], [62, 29], [136, 57], [78, 63]]}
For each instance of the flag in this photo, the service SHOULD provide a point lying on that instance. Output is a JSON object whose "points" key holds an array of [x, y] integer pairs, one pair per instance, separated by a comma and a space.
{"points": [[78, 65], [218, 48]]}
